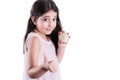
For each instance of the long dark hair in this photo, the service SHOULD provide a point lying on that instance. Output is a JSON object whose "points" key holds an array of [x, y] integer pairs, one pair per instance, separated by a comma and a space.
{"points": [[38, 9]]}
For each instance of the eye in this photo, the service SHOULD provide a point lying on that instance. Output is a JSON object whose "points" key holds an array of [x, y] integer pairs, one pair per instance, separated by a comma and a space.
{"points": [[55, 19], [45, 19]]}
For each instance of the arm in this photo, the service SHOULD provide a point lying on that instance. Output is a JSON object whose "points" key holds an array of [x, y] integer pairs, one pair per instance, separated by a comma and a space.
{"points": [[63, 39], [33, 69], [60, 53]]}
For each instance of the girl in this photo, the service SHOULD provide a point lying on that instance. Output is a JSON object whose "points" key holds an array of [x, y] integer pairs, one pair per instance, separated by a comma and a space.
{"points": [[42, 47]]}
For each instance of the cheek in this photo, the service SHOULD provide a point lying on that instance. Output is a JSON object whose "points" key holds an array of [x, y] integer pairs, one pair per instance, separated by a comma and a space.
{"points": [[42, 25], [54, 25], [45, 24]]}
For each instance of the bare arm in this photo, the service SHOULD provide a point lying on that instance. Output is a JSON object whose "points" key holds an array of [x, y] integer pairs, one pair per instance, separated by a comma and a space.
{"points": [[62, 42], [33, 48], [60, 53], [33, 69]]}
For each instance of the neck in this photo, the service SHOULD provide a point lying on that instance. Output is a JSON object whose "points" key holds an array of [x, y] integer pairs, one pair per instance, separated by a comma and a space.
{"points": [[42, 35]]}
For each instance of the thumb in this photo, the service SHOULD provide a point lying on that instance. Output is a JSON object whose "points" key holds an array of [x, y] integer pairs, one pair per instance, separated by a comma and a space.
{"points": [[46, 58]]}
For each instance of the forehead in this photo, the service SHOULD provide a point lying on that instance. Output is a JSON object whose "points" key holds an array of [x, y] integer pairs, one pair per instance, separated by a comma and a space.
{"points": [[50, 13]]}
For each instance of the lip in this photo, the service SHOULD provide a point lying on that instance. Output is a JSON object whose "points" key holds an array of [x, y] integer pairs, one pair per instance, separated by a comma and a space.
{"points": [[49, 29]]}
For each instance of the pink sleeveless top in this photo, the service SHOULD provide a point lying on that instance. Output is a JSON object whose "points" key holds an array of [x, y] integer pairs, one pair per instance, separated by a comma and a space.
{"points": [[48, 49]]}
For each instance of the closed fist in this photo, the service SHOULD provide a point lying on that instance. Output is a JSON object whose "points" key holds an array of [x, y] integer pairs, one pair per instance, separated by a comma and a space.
{"points": [[52, 67], [63, 37]]}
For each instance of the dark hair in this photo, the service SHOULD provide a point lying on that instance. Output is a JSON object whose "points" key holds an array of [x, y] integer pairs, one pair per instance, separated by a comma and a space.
{"points": [[38, 9]]}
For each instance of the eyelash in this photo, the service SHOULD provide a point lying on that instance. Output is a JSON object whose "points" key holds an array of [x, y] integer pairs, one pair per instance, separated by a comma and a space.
{"points": [[45, 19], [48, 19], [55, 19]]}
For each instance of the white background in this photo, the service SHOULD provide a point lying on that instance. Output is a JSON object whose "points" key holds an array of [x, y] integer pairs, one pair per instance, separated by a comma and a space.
{"points": [[93, 52]]}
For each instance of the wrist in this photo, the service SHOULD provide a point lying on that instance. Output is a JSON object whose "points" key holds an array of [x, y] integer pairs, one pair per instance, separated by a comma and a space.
{"points": [[61, 47]]}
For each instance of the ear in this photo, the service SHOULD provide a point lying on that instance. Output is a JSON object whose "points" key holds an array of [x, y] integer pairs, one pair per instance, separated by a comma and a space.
{"points": [[33, 20]]}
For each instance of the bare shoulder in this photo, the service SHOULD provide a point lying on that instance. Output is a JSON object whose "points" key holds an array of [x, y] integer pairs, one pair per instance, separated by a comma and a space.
{"points": [[33, 44], [34, 40]]}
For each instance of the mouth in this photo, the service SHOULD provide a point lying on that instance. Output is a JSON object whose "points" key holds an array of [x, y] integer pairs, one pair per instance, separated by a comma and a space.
{"points": [[49, 29]]}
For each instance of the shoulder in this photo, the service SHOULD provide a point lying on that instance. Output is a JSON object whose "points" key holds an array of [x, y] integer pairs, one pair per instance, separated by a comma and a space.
{"points": [[32, 38], [33, 43]]}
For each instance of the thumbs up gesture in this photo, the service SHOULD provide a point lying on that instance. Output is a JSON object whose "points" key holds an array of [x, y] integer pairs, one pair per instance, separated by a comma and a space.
{"points": [[49, 64]]}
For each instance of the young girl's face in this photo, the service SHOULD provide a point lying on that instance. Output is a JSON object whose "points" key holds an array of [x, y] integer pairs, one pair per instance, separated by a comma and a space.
{"points": [[46, 23]]}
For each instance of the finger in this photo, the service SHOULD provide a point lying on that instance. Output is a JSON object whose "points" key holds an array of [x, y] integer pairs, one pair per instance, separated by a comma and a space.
{"points": [[59, 32], [62, 42], [53, 68], [67, 33], [69, 37], [63, 31], [46, 58], [50, 62]]}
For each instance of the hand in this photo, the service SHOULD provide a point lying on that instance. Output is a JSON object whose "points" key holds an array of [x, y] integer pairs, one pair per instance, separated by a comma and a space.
{"points": [[52, 67], [63, 38], [49, 64]]}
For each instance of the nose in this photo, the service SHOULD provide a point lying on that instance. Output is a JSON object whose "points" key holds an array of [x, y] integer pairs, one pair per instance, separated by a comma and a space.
{"points": [[51, 24]]}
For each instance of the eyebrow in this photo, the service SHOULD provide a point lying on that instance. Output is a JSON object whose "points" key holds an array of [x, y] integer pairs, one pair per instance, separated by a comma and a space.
{"points": [[49, 16]]}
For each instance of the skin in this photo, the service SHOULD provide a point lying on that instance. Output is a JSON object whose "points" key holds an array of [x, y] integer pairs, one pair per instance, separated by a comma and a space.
{"points": [[45, 25]]}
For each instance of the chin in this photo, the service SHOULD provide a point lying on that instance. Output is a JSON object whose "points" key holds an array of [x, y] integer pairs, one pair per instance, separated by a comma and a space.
{"points": [[48, 33]]}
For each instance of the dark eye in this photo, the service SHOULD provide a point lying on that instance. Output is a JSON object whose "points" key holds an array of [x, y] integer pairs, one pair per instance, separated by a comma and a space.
{"points": [[55, 19], [45, 19]]}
